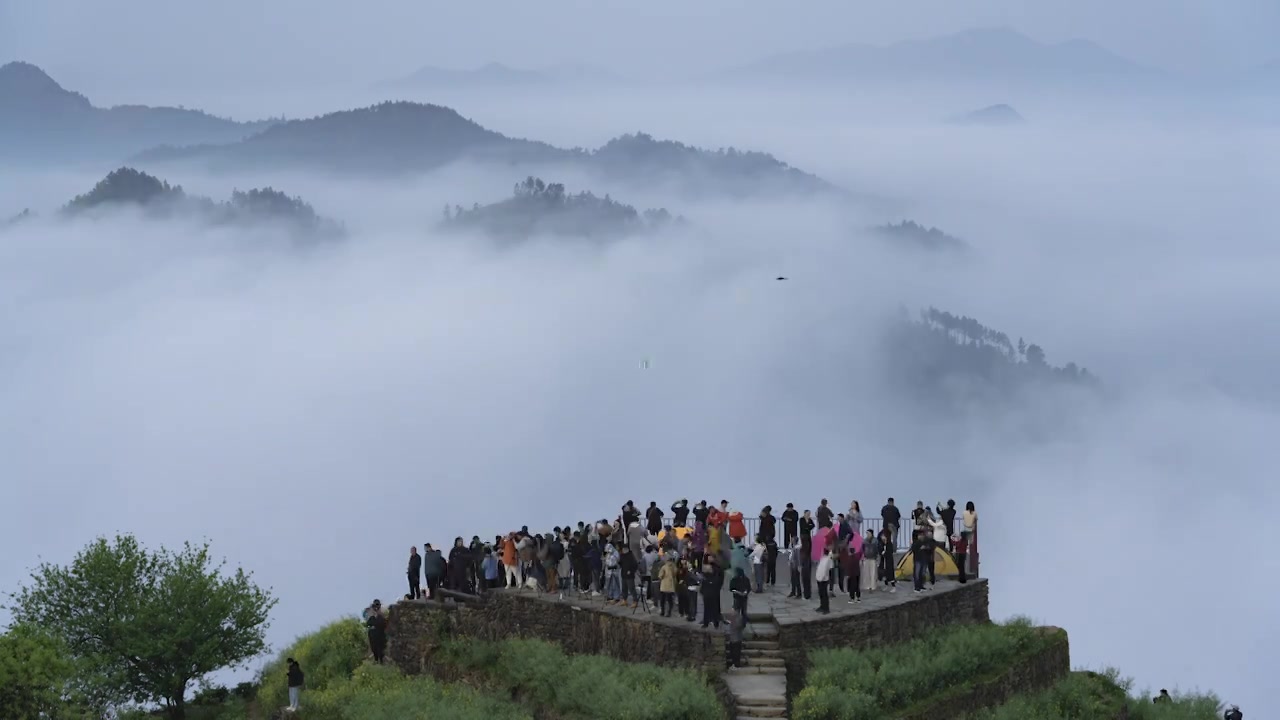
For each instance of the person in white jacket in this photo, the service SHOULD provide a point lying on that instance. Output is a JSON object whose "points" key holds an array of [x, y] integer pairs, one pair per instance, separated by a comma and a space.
{"points": [[939, 540], [757, 563], [823, 573]]}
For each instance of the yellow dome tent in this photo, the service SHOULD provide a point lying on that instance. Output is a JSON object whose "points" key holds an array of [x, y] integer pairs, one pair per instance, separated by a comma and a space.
{"points": [[681, 533], [944, 565]]}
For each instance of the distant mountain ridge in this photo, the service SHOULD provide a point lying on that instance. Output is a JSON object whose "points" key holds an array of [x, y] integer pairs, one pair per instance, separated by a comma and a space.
{"points": [[127, 187], [990, 53], [405, 137], [991, 115], [39, 119]]}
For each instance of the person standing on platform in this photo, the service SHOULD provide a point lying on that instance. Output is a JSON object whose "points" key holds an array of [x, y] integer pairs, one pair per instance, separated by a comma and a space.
{"points": [[415, 574], [790, 524]]}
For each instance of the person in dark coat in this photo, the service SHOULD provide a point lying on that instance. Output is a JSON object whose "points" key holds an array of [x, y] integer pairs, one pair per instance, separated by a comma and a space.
{"points": [[770, 561], [653, 518], [806, 559], [629, 514], [888, 568], [948, 516], [459, 559], [376, 626], [629, 565], [768, 523], [433, 568], [790, 520], [740, 586], [415, 574], [680, 511], [824, 514], [295, 678], [891, 517], [712, 582]]}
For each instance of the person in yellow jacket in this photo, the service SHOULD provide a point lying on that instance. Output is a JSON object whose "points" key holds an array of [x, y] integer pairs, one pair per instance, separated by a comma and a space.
{"points": [[667, 587]]}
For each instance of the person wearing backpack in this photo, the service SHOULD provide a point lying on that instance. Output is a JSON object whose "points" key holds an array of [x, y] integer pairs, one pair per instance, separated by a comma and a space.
{"points": [[295, 683]]}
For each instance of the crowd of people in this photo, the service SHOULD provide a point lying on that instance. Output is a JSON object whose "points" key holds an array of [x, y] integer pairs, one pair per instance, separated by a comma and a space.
{"points": [[679, 561]]}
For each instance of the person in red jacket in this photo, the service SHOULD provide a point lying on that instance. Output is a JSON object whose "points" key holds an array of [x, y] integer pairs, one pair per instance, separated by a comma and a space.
{"points": [[737, 529]]}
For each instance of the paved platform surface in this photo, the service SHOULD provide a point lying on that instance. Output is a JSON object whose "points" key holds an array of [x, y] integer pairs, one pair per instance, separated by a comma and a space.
{"points": [[773, 600]]}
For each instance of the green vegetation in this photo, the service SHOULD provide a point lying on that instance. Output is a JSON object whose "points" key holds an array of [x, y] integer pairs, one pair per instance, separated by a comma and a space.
{"points": [[1085, 695], [142, 626], [536, 207], [852, 684], [35, 674], [575, 687], [327, 656], [381, 692]]}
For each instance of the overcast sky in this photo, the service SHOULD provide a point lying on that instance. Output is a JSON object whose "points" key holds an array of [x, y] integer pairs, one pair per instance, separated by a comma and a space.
{"points": [[153, 45]]}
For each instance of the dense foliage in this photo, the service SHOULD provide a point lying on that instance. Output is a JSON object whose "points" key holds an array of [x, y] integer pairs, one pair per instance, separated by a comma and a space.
{"points": [[576, 687], [35, 675], [327, 656], [143, 626], [850, 684], [536, 207], [380, 692], [1085, 695]]}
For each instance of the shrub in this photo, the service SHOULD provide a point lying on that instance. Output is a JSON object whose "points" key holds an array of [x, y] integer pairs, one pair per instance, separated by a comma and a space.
{"points": [[575, 687], [847, 684], [1099, 695], [382, 692], [330, 654]]}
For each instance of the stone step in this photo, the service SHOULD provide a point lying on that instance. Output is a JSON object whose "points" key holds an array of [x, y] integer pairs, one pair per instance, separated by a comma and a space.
{"points": [[761, 631], [760, 701], [760, 644], [761, 652], [759, 617], [770, 661], [758, 670], [745, 714]]}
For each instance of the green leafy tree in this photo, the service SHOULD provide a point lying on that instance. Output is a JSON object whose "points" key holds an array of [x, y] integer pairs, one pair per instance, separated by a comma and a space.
{"points": [[147, 625], [35, 675]]}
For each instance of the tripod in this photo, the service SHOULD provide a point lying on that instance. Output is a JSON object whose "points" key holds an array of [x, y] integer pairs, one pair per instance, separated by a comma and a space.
{"points": [[644, 603]]}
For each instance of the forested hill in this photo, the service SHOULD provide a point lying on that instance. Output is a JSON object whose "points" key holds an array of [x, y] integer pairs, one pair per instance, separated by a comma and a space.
{"points": [[539, 208], [909, 234], [957, 358], [128, 187], [405, 137]]}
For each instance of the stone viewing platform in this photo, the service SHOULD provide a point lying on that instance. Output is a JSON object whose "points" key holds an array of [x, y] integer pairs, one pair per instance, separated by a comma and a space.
{"points": [[780, 631]]}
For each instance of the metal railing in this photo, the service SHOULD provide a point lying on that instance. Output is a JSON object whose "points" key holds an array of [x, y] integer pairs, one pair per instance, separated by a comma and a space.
{"points": [[902, 538]]}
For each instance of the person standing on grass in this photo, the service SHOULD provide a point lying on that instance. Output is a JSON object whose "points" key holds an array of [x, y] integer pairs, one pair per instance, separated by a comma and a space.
{"points": [[376, 626], [870, 562], [415, 574], [295, 677], [824, 581]]}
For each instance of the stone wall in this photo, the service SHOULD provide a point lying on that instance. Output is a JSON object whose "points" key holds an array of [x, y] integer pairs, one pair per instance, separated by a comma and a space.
{"points": [[414, 627], [1038, 672], [895, 624]]}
